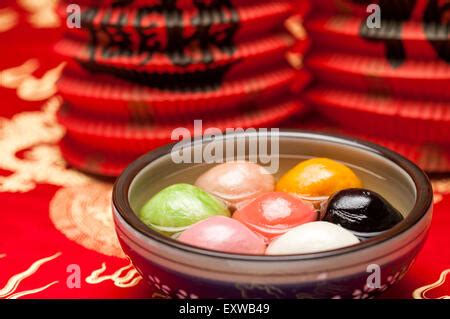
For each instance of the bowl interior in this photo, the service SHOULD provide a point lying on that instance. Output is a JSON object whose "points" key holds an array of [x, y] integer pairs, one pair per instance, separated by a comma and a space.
{"points": [[377, 172]]}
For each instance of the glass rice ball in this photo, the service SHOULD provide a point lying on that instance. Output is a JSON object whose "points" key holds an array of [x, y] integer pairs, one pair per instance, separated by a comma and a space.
{"points": [[311, 238], [236, 182], [364, 212], [318, 177], [274, 213], [178, 206], [225, 235]]}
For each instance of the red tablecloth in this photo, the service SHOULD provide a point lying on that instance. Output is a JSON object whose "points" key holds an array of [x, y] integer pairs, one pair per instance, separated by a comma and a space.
{"points": [[56, 223]]}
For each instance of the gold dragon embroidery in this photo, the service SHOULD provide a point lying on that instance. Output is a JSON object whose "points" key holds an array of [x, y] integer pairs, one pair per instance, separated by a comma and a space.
{"points": [[8, 291], [8, 19], [130, 277], [83, 214], [421, 293], [440, 187], [42, 13], [35, 133]]}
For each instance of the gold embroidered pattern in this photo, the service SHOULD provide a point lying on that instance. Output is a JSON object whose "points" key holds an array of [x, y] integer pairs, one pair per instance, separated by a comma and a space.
{"points": [[42, 12], [83, 214], [12, 77], [31, 291], [14, 282], [8, 19], [130, 278], [29, 87], [39, 89], [36, 133], [421, 293], [440, 187]]}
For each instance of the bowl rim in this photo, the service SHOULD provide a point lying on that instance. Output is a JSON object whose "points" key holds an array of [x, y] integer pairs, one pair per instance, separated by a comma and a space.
{"points": [[422, 205]]}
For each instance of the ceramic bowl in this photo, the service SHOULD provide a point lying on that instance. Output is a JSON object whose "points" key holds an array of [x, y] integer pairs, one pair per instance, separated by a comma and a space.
{"points": [[175, 270]]}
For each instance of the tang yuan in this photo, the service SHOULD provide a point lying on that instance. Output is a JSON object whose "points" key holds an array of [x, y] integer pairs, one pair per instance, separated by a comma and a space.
{"points": [[274, 213], [236, 181], [178, 206], [225, 235], [362, 211], [310, 238], [318, 177]]}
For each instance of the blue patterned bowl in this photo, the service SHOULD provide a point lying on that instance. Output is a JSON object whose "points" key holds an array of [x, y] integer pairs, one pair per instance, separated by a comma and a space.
{"points": [[175, 270]]}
